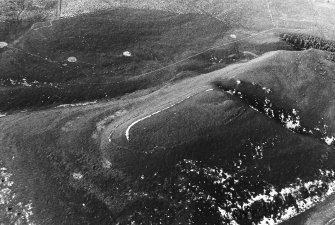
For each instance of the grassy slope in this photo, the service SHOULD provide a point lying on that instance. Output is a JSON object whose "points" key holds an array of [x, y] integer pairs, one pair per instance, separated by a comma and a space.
{"points": [[296, 79], [49, 146], [155, 38], [60, 143], [315, 16], [312, 17], [252, 14], [212, 129]]}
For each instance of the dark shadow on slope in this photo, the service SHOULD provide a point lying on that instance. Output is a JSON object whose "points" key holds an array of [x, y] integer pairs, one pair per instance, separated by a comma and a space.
{"points": [[263, 100], [222, 169], [194, 180]]}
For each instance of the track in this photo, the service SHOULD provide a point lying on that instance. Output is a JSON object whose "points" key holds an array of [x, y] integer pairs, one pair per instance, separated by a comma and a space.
{"points": [[157, 102], [271, 14], [331, 222], [164, 101], [159, 111]]}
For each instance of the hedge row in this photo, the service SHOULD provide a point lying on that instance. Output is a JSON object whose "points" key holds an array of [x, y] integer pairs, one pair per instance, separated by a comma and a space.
{"points": [[304, 41]]}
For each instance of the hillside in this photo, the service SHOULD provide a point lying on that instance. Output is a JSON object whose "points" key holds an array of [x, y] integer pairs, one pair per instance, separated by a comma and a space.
{"points": [[190, 151], [170, 112], [161, 46], [316, 16], [167, 41], [251, 14]]}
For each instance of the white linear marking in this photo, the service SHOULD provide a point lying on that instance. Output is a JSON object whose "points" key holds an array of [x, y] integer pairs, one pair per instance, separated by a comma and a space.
{"points": [[76, 104], [139, 120], [330, 221], [271, 15]]}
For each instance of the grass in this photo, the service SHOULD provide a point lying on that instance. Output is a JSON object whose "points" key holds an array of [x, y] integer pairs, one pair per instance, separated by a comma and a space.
{"points": [[216, 134], [99, 39], [177, 160], [212, 132], [155, 39], [188, 163], [57, 170]]}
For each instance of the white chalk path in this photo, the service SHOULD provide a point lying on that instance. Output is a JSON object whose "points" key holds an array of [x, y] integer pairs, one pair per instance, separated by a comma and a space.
{"points": [[139, 120], [271, 14], [330, 221], [76, 104], [146, 117]]}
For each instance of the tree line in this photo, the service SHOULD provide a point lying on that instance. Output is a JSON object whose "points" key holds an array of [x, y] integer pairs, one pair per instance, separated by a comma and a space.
{"points": [[304, 41]]}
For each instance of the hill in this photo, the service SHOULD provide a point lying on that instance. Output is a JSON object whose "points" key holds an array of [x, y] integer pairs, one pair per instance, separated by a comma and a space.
{"points": [[167, 41], [251, 14], [191, 152], [200, 126], [35, 69], [315, 16]]}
